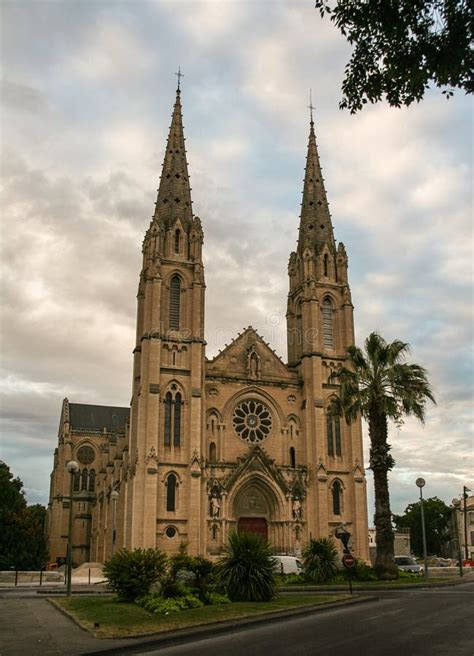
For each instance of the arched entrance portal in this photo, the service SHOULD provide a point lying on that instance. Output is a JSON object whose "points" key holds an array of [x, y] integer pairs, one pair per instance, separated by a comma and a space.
{"points": [[257, 525], [256, 508]]}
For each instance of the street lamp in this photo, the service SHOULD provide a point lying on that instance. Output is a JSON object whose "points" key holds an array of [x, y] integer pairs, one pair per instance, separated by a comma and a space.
{"points": [[420, 482], [456, 505], [465, 490], [72, 468], [114, 495]]}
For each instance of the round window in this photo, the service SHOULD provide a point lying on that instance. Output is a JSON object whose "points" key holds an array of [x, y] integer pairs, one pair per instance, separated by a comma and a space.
{"points": [[252, 421], [170, 532], [86, 455]]}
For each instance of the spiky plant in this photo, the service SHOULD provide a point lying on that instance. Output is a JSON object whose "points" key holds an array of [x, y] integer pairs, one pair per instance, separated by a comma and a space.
{"points": [[320, 560], [247, 571], [379, 385]]}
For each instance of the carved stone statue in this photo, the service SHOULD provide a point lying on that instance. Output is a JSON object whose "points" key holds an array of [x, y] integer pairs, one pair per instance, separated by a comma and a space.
{"points": [[297, 510], [215, 507]]}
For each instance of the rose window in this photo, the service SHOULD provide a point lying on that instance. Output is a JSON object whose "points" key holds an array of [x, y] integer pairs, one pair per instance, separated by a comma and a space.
{"points": [[252, 421], [86, 455]]}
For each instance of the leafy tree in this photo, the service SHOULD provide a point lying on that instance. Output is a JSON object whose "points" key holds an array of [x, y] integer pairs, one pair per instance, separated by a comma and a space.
{"points": [[247, 571], [132, 573], [320, 560], [22, 528], [437, 518], [379, 385], [401, 46]]}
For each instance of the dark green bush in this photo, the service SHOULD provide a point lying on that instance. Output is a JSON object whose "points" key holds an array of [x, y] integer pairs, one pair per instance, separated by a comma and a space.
{"points": [[247, 569], [360, 572], [131, 573], [156, 604], [215, 598], [320, 560]]}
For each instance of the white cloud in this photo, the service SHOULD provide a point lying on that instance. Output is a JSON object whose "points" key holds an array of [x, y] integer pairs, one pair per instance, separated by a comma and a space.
{"points": [[87, 123]]}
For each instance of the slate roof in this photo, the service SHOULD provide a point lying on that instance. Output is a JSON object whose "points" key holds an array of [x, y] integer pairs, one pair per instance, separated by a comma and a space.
{"points": [[97, 417]]}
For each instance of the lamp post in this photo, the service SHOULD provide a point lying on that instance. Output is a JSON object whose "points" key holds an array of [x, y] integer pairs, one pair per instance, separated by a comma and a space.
{"points": [[465, 490], [420, 482], [114, 495], [72, 468], [456, 504]]}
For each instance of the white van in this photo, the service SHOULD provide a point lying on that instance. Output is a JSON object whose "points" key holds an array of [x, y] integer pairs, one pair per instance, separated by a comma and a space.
{"points": [[288, 565]]}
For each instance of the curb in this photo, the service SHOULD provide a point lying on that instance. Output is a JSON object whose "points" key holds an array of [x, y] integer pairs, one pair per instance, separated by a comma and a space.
{"points": [[191, 634], [392, 588]]}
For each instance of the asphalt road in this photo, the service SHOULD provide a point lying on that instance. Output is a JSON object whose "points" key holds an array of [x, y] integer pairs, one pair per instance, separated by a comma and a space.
{"points": [[437, 622]]}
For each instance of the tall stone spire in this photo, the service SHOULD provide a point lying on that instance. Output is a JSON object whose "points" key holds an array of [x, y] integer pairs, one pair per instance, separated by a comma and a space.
{"points": [[315, 220], [174, 192]]}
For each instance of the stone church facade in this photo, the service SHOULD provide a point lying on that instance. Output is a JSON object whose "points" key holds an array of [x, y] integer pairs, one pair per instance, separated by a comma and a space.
{"points": [[210, 446]]}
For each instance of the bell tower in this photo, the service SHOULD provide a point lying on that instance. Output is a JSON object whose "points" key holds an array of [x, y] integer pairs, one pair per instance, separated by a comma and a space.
{"points": [[168, 371], [320, 327]]}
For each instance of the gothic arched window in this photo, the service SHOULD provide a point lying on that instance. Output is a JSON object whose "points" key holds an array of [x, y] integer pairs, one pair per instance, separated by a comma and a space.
{"points": [[177, 420], [177, 236], [336, 497], [77, 480], [333, 430], [84, 479], [325, 264], [175, 302], [292, 456], [212, 452], [328, 337], [330, 436], [92, 480], [337, 435], [171, 483], [168, 402]]}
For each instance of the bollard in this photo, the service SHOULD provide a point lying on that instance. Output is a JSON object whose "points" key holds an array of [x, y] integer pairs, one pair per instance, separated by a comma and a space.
{"points": [[41, 576], [16, 577], [89, 575]]}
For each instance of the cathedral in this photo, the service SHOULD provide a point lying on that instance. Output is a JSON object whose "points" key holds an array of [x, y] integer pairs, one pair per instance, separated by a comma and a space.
{"points": [[238, 442]]}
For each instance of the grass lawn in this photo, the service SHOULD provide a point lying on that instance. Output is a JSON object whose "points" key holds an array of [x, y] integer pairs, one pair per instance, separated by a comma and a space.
{"points": [[117, 619]]}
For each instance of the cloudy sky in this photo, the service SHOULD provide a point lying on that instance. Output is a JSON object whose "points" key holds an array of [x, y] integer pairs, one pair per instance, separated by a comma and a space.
{"points": [[87, 93]]}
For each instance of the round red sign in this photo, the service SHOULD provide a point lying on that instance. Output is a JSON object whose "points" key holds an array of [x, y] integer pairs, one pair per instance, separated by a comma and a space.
{"points": [[348, 560]]}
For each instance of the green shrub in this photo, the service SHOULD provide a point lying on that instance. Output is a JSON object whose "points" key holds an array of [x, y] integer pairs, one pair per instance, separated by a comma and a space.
{"points": [[156, 604], [181, 560], [131, 573], [215, 598], [320, 560], [293, 579], [361, 572], [247, 569]]}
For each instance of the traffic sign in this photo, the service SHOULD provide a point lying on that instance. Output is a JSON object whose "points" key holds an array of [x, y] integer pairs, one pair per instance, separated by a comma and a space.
{"points": [[348, 560]]}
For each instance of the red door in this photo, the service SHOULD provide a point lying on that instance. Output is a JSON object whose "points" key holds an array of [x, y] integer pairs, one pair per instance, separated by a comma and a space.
{"points": [[256, 525]]}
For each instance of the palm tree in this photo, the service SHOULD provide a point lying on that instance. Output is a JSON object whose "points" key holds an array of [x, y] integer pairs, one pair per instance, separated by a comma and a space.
{"points": [[380, 385], [248, 569], [320, 560]]}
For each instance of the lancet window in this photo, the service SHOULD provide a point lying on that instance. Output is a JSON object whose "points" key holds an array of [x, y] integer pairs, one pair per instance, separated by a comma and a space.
{"points": [[173, 403], [175, 303], [336, 492], [171, 485], [328, 328], [333, 430]]}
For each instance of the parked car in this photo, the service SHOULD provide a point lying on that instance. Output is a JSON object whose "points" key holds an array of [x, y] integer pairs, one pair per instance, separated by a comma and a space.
{"points": [[408, 564], [288, 565]]}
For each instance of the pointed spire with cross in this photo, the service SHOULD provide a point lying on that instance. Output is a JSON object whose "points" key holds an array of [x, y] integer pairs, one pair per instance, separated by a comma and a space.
{"points": [[179, 76], [311, 107]]}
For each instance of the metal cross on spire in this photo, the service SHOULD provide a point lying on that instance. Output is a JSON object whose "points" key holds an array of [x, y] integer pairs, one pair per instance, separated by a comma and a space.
{"points": [[179, 76], [311, 106]]}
